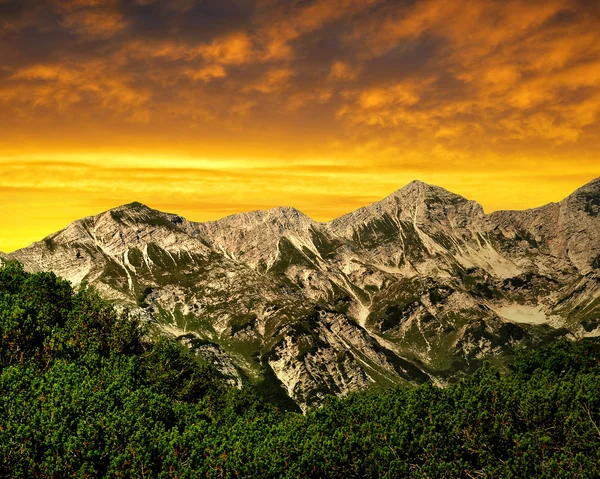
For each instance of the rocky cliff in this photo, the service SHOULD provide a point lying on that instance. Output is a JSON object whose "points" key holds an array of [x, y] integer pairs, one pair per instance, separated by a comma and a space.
{"points": [[420, 286]]}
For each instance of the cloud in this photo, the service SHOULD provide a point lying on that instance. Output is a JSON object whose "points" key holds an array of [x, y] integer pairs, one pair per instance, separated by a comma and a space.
{"points": [[282, 27], [208, 73], [233, 49], [63, 86], [513, 70], [242, 108], [391, 89], [343, 71], [527, 70], [272, 80], [91, 18], [94, 23]]}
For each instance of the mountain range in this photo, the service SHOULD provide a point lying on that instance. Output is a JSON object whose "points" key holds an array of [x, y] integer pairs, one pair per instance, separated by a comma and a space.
{"points": [[420, 286]]}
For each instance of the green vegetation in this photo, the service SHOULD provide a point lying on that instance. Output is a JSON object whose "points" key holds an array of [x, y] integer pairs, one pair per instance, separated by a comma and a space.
{"points": [[83, 393], [135, 257], [141, 299], [242, 322], [290, 255]]}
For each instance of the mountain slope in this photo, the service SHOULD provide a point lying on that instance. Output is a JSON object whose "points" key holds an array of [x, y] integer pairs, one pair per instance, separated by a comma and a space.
{"points": [[419, 286], [565, 233]]}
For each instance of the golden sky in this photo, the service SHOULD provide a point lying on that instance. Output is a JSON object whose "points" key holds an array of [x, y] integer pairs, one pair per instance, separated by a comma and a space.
{"points": [[212, 107]]}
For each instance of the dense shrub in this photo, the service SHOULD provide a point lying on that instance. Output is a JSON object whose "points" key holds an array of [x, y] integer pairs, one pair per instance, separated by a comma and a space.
{"points": [[84, 394]]}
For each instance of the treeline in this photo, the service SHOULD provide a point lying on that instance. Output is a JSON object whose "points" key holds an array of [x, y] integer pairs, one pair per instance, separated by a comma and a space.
{"points": [[84, 394]]}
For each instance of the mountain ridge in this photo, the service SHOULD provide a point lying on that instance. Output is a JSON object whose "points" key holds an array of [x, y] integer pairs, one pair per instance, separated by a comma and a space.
{"points": [[594, 185], [419, 286], [418, 185]]}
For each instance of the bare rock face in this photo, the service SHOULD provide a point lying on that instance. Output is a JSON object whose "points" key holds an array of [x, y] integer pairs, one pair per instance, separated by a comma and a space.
{"points": [[254, 237], [421, 286], [564, 234]]}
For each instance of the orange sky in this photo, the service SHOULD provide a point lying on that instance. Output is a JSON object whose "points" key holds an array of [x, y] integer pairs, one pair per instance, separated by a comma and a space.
{"points": [[208, 108]]}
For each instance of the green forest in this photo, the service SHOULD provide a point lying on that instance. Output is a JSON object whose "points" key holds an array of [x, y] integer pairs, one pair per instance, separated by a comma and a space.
{"points": [[84, 392]]}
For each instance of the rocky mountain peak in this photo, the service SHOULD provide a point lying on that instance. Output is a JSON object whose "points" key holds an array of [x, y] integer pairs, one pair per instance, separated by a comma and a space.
{"points": [[138, 216], [252, 236], [288, 217], [418, 203], [586, 198], [134, 211], [592, 186], [258, 223], [418, 185], [288, 212], [135, 206], [420, 191]]}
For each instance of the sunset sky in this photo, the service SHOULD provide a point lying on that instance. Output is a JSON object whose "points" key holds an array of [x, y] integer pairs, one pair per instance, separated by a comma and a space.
{"points": [[212, 107]]}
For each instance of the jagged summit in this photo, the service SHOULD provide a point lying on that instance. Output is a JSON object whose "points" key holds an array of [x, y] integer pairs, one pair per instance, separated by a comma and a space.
{"points": [[287, 211], [281, 213], [417, 189], [418, 185], [137, 214], [585, 198], [414, 193], [278, 218], [134, 205], [256, 235], [288, 216], [417, 203], [133, 209]]}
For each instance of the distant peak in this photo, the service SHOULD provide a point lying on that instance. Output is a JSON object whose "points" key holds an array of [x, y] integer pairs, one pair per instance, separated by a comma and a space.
{"points": [[283, 216], [288, 211], [418, 182], [420, 188], [421, 185], [134, 210], [135, 205]]}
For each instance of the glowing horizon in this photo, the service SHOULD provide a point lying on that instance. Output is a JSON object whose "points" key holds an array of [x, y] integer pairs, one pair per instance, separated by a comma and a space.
{"points": [[306, 198], [209, 108]]}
